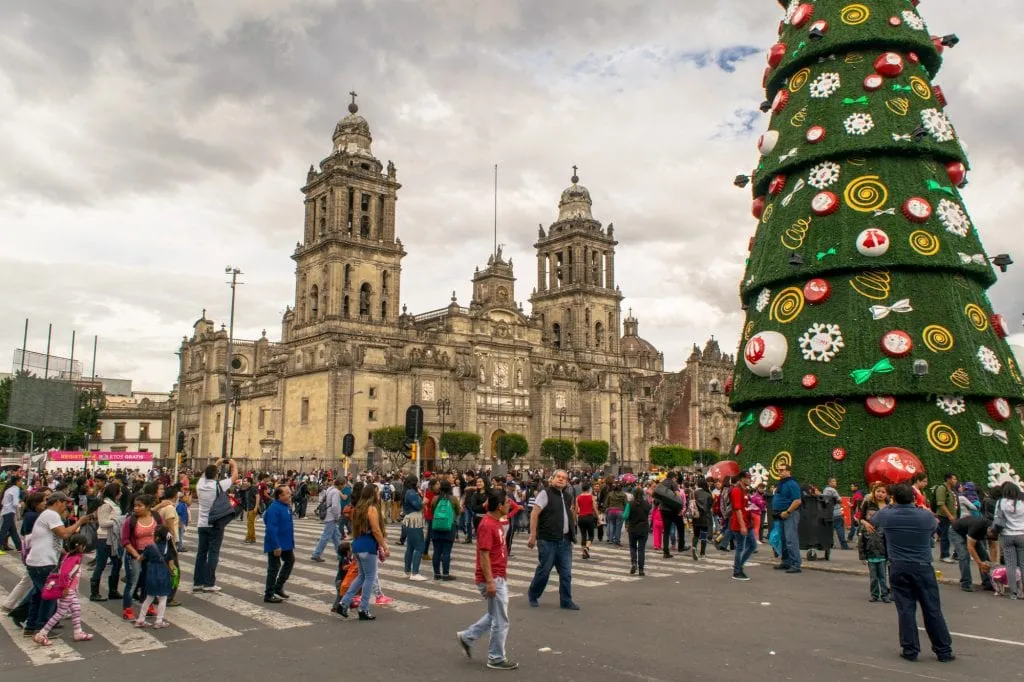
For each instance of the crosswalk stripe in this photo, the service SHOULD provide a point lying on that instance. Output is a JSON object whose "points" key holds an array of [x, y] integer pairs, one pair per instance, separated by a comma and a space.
{"points": [[274, 621], [58, 652], [124, 636], [202, 628]]}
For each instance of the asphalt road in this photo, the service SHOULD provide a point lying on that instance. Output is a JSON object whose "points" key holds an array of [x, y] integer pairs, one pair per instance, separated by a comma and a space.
{"points": [[698, 625]]}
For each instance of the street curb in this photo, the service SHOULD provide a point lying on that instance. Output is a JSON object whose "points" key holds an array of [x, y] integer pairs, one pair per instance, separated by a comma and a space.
{"points": [[818, 566]]}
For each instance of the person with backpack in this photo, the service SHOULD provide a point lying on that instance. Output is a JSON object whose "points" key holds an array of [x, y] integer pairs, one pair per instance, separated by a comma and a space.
{"points": [[946, 505], [740, 523], [215, 513], [725, 540], [446, 509], [63, 587], [108, 544], [329, 511], [700, 517]]}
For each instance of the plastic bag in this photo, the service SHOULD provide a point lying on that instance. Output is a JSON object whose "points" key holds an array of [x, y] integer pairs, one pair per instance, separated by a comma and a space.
{"points": [[775, 538]]}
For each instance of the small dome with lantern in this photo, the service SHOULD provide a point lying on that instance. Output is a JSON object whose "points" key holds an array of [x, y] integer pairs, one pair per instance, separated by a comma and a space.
{"points": [[352, 134], [575, 201], [639, 352]]}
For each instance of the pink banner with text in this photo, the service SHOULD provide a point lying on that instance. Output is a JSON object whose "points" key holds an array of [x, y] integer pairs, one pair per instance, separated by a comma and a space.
{"points": [[79, 457]]}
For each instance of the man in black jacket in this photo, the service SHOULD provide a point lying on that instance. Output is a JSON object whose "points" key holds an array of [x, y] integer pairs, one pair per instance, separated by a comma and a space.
{"points": [[672, 516], [552, 527]]}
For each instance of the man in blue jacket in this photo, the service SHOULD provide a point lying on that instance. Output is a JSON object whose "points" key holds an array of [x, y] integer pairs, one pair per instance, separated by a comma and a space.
{"points": [[279, 544], [786, 508]]}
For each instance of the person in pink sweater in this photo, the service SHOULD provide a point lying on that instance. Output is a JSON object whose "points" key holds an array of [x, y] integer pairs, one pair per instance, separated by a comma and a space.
{"points": [[757, 515]]}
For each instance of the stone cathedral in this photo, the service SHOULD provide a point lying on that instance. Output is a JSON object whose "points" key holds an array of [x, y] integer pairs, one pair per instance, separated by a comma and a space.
{"points": [[351, 358]]}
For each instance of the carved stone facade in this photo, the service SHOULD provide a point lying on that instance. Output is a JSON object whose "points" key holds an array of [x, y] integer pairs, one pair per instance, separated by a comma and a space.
{"points": [[350, 362]]}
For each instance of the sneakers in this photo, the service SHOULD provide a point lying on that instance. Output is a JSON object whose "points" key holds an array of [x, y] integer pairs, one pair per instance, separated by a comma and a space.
{"points": [[448, 578], [211, 588], [318, 559], [503, 664], [417, 578], [128, 614], [740, 576], [462, 645], [363, 615], [272, 599], [383, 600], [152, 611], [948, 560]]}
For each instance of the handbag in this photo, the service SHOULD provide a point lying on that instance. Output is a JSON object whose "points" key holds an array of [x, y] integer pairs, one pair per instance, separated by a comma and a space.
{"points": [[221, 511], [89, 532], [667, 498]]}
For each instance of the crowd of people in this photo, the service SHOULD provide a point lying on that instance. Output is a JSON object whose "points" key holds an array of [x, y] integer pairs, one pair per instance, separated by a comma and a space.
{"points": [[135, 524]]}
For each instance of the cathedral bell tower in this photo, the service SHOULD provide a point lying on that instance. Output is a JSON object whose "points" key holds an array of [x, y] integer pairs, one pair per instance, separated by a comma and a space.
{"points": [[348, 264], [576, 297]]}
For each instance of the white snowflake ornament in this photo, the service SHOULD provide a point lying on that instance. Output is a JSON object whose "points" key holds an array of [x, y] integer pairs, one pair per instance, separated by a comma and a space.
{"points": [[937, 125], [824, 175], [989, 360], [953, 218], [1000, 473], [951, 404], [912, 20], [824, 85], [763, 299], [758, 475], [859, 124], [821, 342]]}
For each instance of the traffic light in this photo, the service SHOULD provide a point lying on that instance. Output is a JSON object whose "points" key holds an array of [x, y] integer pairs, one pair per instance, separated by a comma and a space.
{"points": [[180, 442], [412, 451]]}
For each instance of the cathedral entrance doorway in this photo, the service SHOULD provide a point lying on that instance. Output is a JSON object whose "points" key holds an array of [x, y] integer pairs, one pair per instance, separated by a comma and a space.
{"points": [[494, 443], [429, 454], [716, 444]]}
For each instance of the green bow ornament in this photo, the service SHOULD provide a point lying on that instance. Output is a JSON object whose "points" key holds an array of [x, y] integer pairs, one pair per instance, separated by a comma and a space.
{"points": [[936, 187], [746, 421], [901, 88], [850, 101], [822, 255], [883, 366]]}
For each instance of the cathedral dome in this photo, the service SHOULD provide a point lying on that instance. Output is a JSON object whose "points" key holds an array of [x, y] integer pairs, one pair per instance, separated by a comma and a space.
{"points": [[352, 134], [575, 201], [631, 343]]}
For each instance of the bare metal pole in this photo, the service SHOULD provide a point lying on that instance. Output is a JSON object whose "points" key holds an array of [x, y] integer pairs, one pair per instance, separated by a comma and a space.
{"points": [[234, 272], [71, 369], [24, 346], [95, 343], [495, 211], [46, 366]]}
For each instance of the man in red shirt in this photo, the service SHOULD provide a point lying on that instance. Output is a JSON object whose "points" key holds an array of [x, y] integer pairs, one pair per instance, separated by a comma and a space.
{"points": [[741, 523], [491, 563]]}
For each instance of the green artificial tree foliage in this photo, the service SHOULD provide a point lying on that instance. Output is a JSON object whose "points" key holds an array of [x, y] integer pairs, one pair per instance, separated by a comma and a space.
{"points": [[593, 452], [870, 348], [560, 451], [391, 439], [460, 444], [512, 446]]}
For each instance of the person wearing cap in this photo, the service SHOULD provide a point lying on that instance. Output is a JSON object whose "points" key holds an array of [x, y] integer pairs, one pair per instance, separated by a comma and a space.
{"points": [[45, 545]]}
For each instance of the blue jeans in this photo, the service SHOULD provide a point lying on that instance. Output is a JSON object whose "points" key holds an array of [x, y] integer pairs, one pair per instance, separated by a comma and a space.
{"points": [[8, 529], [467, 524], [131, 579], [102, 555], [960, 546], [332, 534], [39, 611], [745, 546], [555, 554], [913, 583], [494, 621], [181, 536], [839, 526], [207, 556], [414, 549], [442, 558], [877, 571], [364, 581], [791, 540], [944, 533], [614, 518]]}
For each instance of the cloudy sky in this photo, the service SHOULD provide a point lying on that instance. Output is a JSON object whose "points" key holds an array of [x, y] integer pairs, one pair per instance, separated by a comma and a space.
{"points": [[148, 143]]}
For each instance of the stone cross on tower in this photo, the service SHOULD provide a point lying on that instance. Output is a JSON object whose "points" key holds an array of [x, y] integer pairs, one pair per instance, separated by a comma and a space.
{"points": [[575, 176], [353, 107]]}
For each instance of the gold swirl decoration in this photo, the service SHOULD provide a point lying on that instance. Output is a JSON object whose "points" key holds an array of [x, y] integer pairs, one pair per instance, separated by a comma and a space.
{"points": [[748, 330], [866, 194], [782, 459], [1014, 372], [799, 118], [942, 437], [920, 88], [787, 305], [857, 161], [799, 80], [827, 418], [898, 105], [855, 14], [976, 316], [854, 58], [960, 378], [873, 284], [925, 243], [796, 234], [766, 215], [937, 338]]}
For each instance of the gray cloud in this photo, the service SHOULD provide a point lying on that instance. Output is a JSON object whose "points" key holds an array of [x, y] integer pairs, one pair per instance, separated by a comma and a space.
{"points": [[148, 143]]}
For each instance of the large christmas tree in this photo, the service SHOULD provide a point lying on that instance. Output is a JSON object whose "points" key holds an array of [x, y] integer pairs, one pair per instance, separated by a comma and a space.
{"points": [[870, 348]]}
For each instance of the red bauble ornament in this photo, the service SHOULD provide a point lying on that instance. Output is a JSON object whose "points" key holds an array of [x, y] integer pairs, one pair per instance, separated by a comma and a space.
{"points": [[880, 405], [999, 325], [839, 454], [750, 244], [727, 468], [937, 42], [912, 56], [728, 385], [917, 210], [777, 184], [889, 64], [771, 418], [891, 465], [824, 204], [999, 409], [776, 54], [809, 381], [873, 82], [802, 14], [940, 96], [766, 76], [821, 26], [780, 101], [817, 291], [737, 449], [815, 134], [895, 21], [897, 344], [757, 207], [957, 172]]}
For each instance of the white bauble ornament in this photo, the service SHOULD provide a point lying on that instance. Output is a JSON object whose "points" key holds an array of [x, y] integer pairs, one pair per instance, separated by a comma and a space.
{"points": [[764, 351]]}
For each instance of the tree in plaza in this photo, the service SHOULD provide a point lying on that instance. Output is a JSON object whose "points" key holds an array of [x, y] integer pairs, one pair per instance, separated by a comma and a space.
{"points": [[559, 450], [459, 444], [593, 452], [670, 456], [870, 348], [512, 446], [391, 439]]}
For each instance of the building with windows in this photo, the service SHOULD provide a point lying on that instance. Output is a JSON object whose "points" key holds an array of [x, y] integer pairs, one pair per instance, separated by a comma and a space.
{"points": [[351, 359], [140, 422]]}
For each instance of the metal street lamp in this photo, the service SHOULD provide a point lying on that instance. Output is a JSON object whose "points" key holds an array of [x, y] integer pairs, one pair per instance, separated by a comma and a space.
{"points": [[228, 388], [444, 408]]}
